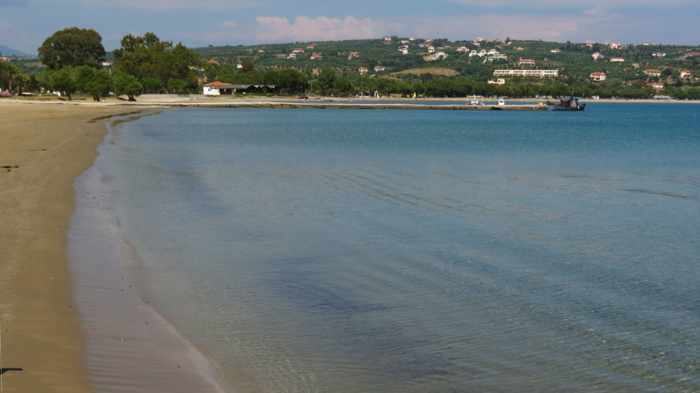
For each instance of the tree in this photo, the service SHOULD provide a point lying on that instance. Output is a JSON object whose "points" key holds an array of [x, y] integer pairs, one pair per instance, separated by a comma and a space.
{"points": [[64, 80], [177, 86], [84, 75], [100, 85], [150, 59], [128, 85], [11, 77], [72, 47]]}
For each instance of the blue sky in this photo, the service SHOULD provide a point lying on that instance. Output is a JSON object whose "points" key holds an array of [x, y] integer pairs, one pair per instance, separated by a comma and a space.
{"points": [[25, 23]]}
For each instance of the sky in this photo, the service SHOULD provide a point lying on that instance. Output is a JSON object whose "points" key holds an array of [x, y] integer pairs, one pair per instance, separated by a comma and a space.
{"points": [[24, 24]]}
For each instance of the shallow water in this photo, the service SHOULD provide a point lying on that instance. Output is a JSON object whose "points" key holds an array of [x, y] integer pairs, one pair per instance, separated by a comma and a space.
{"points": [[398, 251]]}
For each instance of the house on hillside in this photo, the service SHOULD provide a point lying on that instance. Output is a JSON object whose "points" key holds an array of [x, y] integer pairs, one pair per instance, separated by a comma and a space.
{"points": [[311, 46], [403, 50], [527, 73], [555, 51], [617, 60], [598, 76], [685, 74], [316, 56], [363, 71], [463, 50], [497, 82], [615, 45], [388, 40], [213, 62], [379, 68], [526, 62], [652, 72], [658, 54], [657, 86], [353, 55], [597, 56], [435, 56]]}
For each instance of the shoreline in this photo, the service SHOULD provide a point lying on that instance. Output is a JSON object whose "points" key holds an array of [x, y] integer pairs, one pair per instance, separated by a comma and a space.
{"points": [[129, 344], [155, 101], [51, 340]]}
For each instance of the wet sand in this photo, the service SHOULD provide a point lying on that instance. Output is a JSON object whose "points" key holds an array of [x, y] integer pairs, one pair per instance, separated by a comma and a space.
{"points": [[42, 150], [68, 326], [129, 347]]}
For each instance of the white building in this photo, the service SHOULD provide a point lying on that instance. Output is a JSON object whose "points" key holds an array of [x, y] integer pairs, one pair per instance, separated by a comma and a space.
{"points": [[379, 68], [527, 73], [497, 82], [617, 60], [436, 56], [599, 76], [217, 88], [597, 56]]}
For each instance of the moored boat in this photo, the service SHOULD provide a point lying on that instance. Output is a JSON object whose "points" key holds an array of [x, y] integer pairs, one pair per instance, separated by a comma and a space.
{"points": [[570, 104]]}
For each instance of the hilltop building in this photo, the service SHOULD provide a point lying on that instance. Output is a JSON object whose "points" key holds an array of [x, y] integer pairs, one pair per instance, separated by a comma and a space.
{"points": [[527, 73], [652, 72], [599, 76]]}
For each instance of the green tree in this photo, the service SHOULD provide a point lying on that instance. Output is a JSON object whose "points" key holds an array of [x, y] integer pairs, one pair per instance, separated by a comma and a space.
{"points": [[148, 58], [177, 86], [100, 85], [64, 80], [84, 75], [11, 77], [72, 47], [128, 85]]}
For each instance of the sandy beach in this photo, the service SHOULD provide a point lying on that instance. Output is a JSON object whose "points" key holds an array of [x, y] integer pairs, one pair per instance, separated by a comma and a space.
{"points": [[42, 150]]}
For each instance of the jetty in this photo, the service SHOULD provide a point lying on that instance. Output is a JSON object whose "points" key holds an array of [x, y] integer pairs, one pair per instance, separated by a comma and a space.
{"points": [[368, 106]]}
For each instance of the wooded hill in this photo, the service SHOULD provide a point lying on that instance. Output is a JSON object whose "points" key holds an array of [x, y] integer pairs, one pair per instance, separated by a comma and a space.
{"points": [[574, 60]]}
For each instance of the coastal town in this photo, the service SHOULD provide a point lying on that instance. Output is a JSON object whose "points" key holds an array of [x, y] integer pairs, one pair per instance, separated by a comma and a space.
{"points": [[407, 67]]}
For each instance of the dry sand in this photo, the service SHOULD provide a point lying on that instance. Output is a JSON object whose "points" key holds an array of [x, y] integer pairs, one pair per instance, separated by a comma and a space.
{"points": [[42, 149]]}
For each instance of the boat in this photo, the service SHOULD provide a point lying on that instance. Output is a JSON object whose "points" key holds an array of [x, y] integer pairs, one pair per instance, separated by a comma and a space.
{"points": [[570, 104], [474, 101]]}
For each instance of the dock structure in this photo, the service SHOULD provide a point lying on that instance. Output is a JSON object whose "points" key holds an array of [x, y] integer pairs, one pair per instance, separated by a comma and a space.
{"points": [[387, 106]]}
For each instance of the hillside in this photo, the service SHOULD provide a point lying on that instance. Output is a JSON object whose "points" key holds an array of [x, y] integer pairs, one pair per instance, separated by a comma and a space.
{"points": [[9, 52], [472, 59]]}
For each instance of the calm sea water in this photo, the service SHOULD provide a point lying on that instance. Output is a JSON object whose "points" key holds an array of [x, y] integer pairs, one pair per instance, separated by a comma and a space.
{"points": [[398, 251]]}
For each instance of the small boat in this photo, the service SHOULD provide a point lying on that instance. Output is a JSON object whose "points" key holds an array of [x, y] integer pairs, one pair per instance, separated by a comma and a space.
{"points": [[475, 101], [570, 104]]}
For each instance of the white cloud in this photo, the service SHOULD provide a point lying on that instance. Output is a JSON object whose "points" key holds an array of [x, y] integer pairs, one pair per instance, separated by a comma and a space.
{"points": [[170, 4], [304, 28]]}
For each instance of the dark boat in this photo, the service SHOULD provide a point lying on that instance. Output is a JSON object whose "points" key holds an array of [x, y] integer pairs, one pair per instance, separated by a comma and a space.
{"points": [[570, 104]]}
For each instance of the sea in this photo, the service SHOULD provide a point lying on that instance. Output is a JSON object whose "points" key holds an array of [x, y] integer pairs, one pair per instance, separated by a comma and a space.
{"points": [[358, 251]]}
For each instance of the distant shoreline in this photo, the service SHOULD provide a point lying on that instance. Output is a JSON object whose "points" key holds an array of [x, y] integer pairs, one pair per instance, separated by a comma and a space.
{"points": [[281, 102]]}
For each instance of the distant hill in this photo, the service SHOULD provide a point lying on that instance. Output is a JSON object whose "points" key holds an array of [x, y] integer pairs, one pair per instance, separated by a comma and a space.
{"points": [[407, 57], [6, 51]]}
